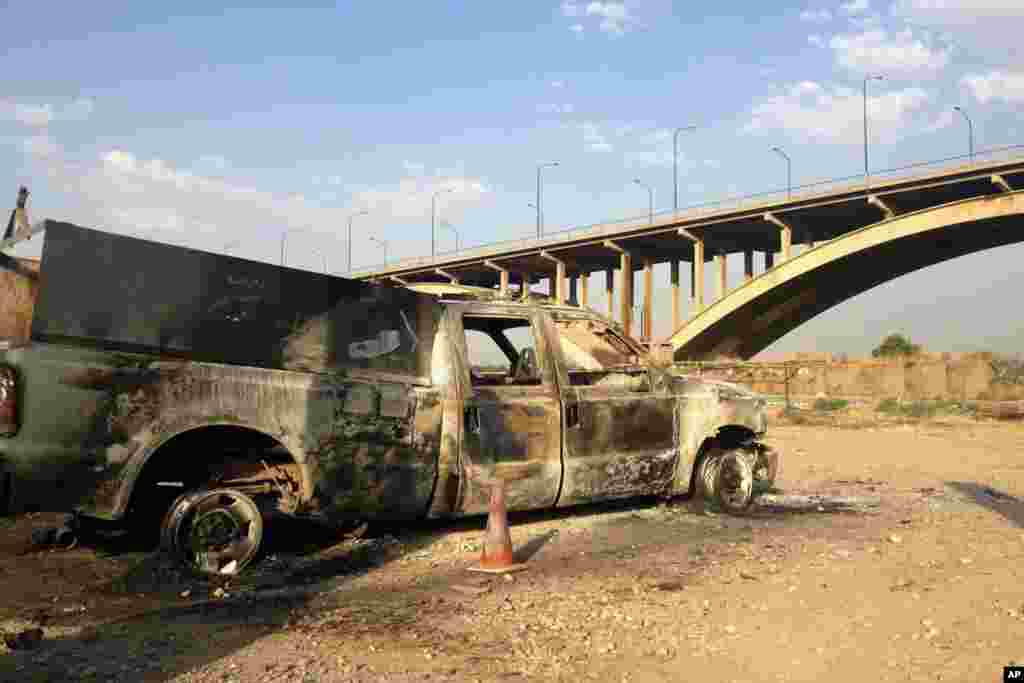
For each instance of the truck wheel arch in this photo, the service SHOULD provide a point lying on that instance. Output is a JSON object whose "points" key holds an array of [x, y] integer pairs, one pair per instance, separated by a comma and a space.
{"points": [[156, 459], [719, 438]]}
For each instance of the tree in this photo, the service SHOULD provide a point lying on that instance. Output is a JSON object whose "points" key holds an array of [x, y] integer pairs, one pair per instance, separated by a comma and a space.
{"points": [[895, 345]]}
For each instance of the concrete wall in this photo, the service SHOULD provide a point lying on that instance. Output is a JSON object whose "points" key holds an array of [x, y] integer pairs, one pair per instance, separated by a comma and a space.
{"points": [[969, 377]]}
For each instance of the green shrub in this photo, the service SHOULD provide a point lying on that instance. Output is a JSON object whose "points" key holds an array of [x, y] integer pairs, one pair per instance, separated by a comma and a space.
{"points": [[830, 404], [888, 405]]}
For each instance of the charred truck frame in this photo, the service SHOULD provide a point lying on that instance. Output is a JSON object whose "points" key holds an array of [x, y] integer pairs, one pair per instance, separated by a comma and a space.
{"points": [[164, 384]]}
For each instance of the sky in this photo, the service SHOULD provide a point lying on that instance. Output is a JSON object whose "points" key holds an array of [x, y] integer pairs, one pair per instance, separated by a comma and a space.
{"points": [[242, 128]]}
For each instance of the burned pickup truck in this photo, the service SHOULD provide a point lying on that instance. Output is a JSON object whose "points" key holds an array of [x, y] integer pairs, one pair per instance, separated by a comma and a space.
{"points": [[159, 387]]}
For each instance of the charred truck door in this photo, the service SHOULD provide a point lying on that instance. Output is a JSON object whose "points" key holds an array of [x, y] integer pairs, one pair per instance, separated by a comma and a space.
{"points": [[511, 416], [620, 434]]}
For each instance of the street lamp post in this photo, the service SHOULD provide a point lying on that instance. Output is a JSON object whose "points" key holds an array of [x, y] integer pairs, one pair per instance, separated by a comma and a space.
{"points": [[789, 171], [970, 132], [433, 219], [452, 228], [675, 164], [384, 246], [650, 199], [540, 225], [359, 213], [874, 77]]}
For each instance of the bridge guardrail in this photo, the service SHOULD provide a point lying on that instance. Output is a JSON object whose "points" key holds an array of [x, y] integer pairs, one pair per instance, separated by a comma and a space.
{"points": [[806, 191]]}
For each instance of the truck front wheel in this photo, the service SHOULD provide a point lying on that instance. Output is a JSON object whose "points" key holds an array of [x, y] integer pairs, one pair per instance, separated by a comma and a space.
{"points": [[213, 532]]}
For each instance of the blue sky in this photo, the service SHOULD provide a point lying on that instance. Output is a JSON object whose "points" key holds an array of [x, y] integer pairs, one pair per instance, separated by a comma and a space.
{"points": [[222, 128]]}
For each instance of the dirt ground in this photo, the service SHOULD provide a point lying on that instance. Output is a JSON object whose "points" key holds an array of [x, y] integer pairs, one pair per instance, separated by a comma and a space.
{"points": [[925, 586]]}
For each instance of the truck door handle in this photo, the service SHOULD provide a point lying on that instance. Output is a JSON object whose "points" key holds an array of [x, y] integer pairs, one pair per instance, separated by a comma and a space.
{"points": [[472, 417], [572, 415]]}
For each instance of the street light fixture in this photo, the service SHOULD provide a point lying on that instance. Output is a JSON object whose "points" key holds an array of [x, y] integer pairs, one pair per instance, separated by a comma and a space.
{"points": [[789, 171], [433, 218], [452, 228], [650, 199], [970, 132], [358, 213], [540, 225], [675, 164], [384, 246], [871, 77]]}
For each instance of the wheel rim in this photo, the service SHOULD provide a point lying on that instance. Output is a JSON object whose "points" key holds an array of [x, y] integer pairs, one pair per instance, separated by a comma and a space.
{"points": [[735, 482], [214, 532]]}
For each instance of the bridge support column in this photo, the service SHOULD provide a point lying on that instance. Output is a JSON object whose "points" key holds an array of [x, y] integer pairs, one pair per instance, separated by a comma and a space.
{"points": [[502, 276], [785, 235], [558, 281], [697, 277], [626, 297], [525, 294], [648, 322], [748, 266], [572, 288], [769, 260], [584, 286], [609, 289], [723, 285], [626, 293], [674, 278], [696, 271]]}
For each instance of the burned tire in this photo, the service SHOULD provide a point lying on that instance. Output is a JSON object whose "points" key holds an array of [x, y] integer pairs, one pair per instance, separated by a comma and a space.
{"points": [[706, 474], [734, 481], [215, 532]]}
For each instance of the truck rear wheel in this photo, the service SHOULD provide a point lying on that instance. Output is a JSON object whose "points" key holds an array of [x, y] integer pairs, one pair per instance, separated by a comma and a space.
{"points": [[213, 532]]}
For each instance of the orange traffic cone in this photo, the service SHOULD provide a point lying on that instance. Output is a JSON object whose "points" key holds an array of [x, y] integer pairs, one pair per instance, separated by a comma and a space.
{"points": [[496, 556]]}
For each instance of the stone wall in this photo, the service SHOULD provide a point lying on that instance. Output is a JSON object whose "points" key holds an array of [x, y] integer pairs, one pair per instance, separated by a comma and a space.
{"points": [[967, 377]]}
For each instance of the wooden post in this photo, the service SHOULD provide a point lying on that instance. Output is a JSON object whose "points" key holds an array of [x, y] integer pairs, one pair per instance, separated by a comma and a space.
{"points": [[584, 281], [748, 266]]}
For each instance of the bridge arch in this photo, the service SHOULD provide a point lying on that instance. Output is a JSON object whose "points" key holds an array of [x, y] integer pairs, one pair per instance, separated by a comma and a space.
{"points": [[754, 315]]}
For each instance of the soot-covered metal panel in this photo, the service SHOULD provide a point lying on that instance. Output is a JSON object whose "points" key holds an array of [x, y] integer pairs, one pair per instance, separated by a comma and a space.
{"points": [[129, 294]]}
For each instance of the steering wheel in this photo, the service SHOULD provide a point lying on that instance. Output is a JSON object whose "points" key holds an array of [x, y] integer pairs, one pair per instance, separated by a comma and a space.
{"points": [[526, 366]]}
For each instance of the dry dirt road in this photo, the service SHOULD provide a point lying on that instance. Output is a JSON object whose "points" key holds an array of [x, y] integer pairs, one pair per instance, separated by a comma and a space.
{"points": [[924, 587]]}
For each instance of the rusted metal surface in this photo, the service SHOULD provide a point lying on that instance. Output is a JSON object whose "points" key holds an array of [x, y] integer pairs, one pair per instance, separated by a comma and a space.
{"points": [[158, 298], [344, 419]]}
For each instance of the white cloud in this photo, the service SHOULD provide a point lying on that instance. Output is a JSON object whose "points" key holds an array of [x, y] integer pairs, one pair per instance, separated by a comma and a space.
{"points": [[855, 6], [42, 115], [577, 29], [833, 113], [996, 86], [555, 108], [213, 161], [594, 138], [153, 198], [413, 167], [816, 16], [816, 40], [992, 27], [35, 115], [41, 147], [79, 110], [877, 50], [943, 120], [615, 18], [557, 84], [570, 9]]}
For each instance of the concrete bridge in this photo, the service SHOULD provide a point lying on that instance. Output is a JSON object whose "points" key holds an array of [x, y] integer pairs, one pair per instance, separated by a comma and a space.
{"points": [[855, 236]]}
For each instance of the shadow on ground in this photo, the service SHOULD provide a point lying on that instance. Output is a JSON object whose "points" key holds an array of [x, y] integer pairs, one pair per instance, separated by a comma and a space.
{"points": [[1010, 507]]}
